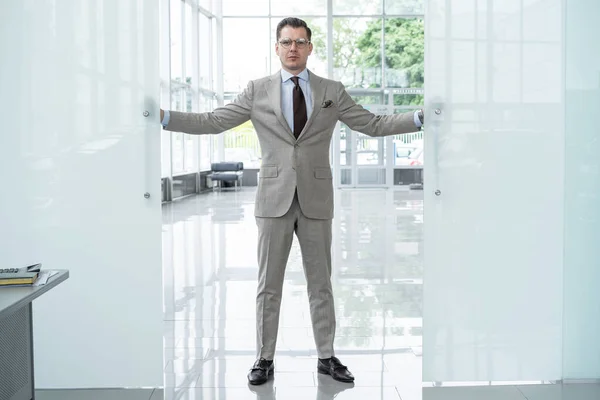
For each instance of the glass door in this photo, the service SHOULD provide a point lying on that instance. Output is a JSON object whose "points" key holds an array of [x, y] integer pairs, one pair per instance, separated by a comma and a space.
{"points": [[494, 195], [82, 184]]}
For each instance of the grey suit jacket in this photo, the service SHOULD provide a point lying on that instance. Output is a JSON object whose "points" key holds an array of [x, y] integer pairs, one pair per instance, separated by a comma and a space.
{"points": [[289, 164]]}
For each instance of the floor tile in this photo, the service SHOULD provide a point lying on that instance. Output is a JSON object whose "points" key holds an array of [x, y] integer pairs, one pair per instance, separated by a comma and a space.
{"points": [[404, 364], [182, 380], [339, 393], [473, 393], [411, 391], [94, 394], [561, 392], [247, 342], [258, 393], [368, 379], [158, 394], [170, 353], [356, 363], [198, 366], [238, 379]]}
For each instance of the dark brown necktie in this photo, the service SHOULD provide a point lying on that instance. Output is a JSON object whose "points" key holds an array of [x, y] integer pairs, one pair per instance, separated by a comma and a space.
{"points": [[300, 116]]}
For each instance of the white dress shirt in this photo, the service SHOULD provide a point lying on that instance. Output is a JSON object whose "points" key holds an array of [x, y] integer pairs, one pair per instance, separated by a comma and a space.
{"points": [[287, 95]]}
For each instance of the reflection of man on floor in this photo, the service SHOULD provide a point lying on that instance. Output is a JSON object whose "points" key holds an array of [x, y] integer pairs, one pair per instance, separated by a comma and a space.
{"points": [[327, 389], [294, 113]]}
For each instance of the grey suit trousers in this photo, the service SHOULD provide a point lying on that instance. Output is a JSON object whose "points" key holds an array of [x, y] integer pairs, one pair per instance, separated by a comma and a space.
{"points": [[275, 236]]}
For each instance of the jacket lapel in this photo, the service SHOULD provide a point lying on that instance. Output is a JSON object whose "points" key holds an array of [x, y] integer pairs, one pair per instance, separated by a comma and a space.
{"points": [[274, 93], [317, 89]]}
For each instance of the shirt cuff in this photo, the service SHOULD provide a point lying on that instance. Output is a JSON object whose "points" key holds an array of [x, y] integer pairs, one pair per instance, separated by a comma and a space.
{"points": [[418, 123], [167, 117]]}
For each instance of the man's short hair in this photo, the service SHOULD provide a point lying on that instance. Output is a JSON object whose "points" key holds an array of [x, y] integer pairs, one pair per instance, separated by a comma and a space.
{"points": [[294, 23]]}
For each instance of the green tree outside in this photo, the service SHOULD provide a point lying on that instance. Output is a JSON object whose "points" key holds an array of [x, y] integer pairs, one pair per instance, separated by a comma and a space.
{"points": [[404, 50]]}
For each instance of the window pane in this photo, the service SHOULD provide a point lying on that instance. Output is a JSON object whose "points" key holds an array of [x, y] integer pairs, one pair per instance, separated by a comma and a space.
{"points": [[408, 148], [190, 145], [165, 158], [214, 58], [215, 147], [206, 104], [357, 52], [346, 176], [205, 152], [369, 150], [405, 53], [246, 8], [345, 145], [176, 100], [188, 100], [405, 7], [177, 152], [176, 39], [191, 155], [177, 104], [241, 144], [206, 4], [189, 53], [204, 43], [245, 58], [365, 99], [317, 61], [408, 97], [294, 7], [357, 7], [371, 176]]}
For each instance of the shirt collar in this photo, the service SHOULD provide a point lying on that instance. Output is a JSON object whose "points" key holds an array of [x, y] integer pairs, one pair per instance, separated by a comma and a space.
{"points": [[285, 75]]}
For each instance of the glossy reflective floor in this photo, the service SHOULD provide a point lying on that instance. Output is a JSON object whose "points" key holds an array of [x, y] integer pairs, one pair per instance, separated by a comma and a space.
{"points": [[209, 250], [210, 286]]}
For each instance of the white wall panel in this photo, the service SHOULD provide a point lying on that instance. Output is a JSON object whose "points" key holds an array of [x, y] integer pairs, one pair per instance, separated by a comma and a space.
{"points": [[76, 157], [494, 235]]}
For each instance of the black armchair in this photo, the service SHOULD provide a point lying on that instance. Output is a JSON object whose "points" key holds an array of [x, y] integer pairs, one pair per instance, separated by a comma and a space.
{"points": [[230, 172]]}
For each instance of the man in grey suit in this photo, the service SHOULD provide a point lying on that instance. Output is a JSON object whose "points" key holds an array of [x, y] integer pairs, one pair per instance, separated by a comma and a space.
{"points": [[294, 113]]}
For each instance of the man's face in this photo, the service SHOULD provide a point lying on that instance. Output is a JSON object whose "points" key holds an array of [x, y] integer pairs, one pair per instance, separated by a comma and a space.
{"points": [[294, 58]]}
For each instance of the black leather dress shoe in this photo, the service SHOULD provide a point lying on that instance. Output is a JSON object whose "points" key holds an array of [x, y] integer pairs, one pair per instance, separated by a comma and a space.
{"points": [[260, 371], [333, 366]]}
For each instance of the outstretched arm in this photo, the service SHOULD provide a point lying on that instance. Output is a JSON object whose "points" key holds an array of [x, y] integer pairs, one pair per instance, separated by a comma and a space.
{"points": [[217, 121], [364, 121]]}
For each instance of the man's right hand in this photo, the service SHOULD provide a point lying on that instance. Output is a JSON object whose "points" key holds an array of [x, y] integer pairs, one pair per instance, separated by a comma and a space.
{"points": [[162, 115]]}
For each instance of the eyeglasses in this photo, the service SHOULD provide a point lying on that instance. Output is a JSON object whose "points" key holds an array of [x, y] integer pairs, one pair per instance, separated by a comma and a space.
{"points": [[287, 43]]}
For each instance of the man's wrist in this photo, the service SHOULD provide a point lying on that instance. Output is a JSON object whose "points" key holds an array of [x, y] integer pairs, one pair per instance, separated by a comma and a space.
{"points": [[165, 117], [418, 118]]}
